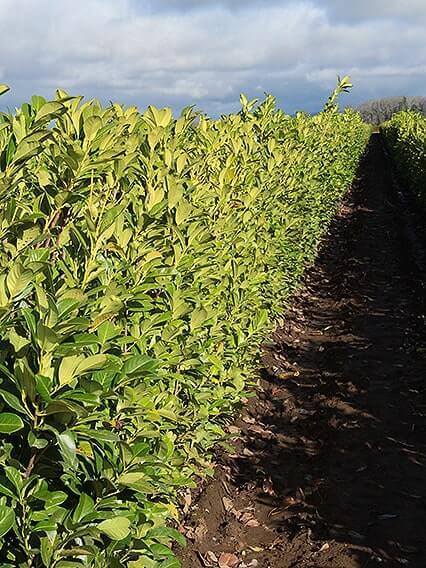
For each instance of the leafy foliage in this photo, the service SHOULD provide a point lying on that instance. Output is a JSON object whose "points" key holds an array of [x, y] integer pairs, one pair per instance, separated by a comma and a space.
{"points": [[344, 85], [143, 258], [405, 136]]}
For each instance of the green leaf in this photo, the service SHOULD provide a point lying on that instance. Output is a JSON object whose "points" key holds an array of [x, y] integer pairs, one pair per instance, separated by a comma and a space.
{"points": [[143, 562], [90, 363], [198, 317], [46, 525], [10, 423], [12, 401], [155, 197], [91, 126], [17, 340], [117, 528], [68, 367], [106, 331], [171, 563], [30, 321], [7, 520], [159, 549], [139, 364], [168, 533], [46, 550], [43, 387], [68, 448], [24, 151], [18, 279], [159, 117], [4, 296], [35, 442], [174, 193], [180, 163], [75, 365], [49, 111], [55, 498], [37, 102], [6, 491], [138, 482], [14, 477], [85, 506], [46, 338], [183, 211]]}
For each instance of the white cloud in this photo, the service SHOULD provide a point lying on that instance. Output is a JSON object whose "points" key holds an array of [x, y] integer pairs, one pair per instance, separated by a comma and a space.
{"points": [[154, 52]]}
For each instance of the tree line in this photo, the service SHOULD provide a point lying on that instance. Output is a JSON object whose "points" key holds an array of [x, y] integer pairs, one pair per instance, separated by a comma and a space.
{"points": [[380, 110]]}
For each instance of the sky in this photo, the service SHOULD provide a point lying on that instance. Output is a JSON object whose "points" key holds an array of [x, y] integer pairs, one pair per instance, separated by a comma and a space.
{"points": [[206, 52]]}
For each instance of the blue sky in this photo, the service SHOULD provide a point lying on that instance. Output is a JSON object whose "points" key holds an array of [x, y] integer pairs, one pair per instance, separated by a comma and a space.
{"points": [[205, 52]]}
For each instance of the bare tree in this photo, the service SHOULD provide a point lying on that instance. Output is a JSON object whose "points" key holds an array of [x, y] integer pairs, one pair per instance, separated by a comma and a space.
{"points": [[376, 112]]}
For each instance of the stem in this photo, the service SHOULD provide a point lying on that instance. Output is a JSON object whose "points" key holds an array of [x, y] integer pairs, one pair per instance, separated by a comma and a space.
{"points": [[30, 465]]}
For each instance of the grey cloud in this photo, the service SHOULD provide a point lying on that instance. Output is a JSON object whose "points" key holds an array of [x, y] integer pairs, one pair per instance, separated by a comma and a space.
{"points": [[376, 9], [124, 50]]}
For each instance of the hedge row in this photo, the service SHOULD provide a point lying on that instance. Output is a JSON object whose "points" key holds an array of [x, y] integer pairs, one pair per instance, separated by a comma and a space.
{"points": [[405, 135], [142, 260]]}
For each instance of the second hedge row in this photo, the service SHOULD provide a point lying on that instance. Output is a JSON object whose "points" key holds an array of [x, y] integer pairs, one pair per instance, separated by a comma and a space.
{"points": [[405, 135]]}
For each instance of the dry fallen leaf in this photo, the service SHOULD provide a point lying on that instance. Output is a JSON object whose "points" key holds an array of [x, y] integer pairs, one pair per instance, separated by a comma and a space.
{"points": [[227, 560], [248, 419], [209, 559], [248, 520], [247, 452], [227, 503], [188, 501], [252, 523], [200, 532]]}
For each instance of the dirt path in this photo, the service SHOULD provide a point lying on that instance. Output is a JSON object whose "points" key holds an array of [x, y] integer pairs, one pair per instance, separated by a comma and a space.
{"points": [[330, 470]]}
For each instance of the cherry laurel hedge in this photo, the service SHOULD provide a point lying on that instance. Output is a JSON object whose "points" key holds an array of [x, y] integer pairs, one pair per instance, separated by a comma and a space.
{"points": [[142, 260], [405, 135]]}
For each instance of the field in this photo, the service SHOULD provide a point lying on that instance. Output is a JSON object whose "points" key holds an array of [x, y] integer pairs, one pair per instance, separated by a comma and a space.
{"points": [[144, 259]]}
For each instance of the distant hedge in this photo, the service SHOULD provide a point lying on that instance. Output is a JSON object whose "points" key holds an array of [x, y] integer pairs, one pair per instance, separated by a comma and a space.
{"points": [[405, 136]]}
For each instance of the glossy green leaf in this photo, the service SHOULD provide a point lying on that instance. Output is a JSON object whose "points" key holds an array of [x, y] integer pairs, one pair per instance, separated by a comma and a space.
{"points": [[12, 401], [49, 110], [7, 520], [85, 506], [67, 445], [117, 528], [18, 279], [10, 423]]}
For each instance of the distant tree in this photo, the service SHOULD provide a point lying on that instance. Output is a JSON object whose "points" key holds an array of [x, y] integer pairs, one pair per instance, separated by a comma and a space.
{"points": [[376, 112]]}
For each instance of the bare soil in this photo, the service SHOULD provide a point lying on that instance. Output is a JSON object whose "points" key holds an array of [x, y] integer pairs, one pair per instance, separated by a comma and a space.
{"points": [[329, 468]]}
